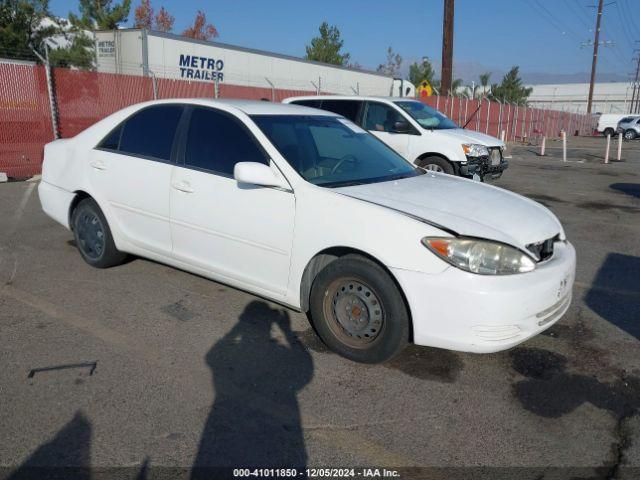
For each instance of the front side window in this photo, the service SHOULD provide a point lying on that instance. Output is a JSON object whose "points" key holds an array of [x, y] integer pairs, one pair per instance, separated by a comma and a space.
{"points": [[216, 142], [331, 151], [381, 118], [150, 132], [428, 118]]}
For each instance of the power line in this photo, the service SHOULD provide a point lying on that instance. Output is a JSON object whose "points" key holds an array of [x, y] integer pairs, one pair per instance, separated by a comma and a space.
{"points": [[625, 28], [551, 19]]}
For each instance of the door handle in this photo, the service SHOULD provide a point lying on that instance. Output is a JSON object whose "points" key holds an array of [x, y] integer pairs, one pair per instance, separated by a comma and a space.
{"points": [[98, 165], [183, 187]]}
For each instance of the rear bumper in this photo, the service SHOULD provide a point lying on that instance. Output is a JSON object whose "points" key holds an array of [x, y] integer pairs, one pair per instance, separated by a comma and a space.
{"points": [[483, 314], [55, 202]]}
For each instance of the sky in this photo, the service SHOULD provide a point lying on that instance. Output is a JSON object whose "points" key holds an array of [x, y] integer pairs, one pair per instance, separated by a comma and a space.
{"points": [[543, 37]]}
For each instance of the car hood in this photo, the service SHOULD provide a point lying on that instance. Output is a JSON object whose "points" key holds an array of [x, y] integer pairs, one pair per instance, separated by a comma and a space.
{"points": [[463, 206], [471, 136]]}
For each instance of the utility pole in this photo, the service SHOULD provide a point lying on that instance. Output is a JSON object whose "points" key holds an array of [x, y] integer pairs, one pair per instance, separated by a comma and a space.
{"points": [[447, 48], [594, 62]]}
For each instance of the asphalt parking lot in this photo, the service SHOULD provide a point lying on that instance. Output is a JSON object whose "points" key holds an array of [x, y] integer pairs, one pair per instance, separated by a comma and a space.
{"points": [[189, 372]]}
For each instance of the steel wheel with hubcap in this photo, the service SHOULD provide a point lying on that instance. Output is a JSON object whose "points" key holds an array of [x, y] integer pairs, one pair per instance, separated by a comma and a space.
{"points": [[90, 234], [355, 312], [630, 134], [93, 236], [358, 310]]}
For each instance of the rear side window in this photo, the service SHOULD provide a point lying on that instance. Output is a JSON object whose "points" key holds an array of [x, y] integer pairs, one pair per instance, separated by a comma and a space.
{"points": [[347, 108], [308, 103], [112, 141], [216, 141], [150, 132]]}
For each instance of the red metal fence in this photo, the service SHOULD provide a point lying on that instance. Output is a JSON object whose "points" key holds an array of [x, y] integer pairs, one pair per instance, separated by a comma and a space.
{"points": [[25, 118], [82, 98], [511, 121]]}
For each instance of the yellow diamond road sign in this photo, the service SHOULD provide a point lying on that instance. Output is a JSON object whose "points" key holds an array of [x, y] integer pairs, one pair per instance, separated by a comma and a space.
{"points": [[424, 89]]}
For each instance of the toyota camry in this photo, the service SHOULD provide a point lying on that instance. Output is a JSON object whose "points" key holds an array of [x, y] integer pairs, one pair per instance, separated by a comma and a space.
{"points": [[305, 208]]}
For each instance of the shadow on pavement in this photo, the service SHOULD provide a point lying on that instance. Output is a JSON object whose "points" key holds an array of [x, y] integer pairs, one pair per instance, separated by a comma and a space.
{"points": [[255, 418], [632, 189], [615, 292], [66, 456]]}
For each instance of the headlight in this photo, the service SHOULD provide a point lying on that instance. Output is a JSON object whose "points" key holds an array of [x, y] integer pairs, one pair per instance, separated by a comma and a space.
{"points": [[480, 256], [475, 150]]}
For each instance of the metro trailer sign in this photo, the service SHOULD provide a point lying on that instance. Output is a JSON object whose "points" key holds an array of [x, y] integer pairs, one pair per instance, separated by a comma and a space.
{"points": [[200, 68]]}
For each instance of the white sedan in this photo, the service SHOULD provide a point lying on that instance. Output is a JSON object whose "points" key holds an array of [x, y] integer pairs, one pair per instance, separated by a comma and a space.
{"points": [[305, 208]]}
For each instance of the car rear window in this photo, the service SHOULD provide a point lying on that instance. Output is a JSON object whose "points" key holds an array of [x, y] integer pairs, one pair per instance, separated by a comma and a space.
{"points": [[150, 132]]}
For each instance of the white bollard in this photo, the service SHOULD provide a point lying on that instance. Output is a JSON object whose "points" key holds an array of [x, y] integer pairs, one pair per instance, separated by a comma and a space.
{"points": [[564, 145], [606, 153], [619, 147], [543, 146], [502, 135]]}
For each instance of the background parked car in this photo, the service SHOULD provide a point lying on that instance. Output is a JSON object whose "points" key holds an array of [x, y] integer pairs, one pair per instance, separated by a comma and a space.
{"points": [[629, 127], [419, 133], [608, 122]]}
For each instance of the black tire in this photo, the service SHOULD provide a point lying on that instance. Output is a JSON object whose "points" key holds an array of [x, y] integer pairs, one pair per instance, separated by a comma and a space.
{"points": [[608, 131], [93, 236], [629, 134], [374, 326], [437, 164]]}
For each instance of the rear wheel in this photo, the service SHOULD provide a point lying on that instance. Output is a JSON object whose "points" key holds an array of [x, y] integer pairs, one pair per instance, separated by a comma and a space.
{"points": [[358, 310], [93, 236], [436, 164], [608, 131], [630, 134]]}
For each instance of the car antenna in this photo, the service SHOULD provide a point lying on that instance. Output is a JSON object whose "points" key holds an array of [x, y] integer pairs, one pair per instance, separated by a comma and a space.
{"points": [[473, 115]]}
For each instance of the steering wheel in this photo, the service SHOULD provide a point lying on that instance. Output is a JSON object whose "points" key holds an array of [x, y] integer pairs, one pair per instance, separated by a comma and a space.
{"points": [[347, 158]]}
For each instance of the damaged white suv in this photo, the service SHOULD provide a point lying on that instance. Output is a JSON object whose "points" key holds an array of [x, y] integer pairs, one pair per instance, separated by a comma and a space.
{"points": [[419, 133]]}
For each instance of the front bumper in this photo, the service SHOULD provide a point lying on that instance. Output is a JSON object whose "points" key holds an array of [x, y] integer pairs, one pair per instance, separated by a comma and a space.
{"points": [[462, 311], [483, 167]]}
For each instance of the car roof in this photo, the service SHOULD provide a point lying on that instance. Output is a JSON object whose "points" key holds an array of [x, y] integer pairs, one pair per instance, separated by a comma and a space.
{"points": [[250, 107], [351, 97]]}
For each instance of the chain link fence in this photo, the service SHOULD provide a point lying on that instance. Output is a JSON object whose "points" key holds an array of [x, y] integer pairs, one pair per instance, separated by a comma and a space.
{"points": [[33, 112]]}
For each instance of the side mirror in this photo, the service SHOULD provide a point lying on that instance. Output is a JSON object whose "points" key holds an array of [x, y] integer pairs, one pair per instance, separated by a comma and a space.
{"points": [[257, 174], [401, 127]]}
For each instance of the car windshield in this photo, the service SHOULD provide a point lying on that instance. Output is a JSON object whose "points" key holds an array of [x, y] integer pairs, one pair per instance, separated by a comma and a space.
{"points": [[333, 151], [428, 118]]}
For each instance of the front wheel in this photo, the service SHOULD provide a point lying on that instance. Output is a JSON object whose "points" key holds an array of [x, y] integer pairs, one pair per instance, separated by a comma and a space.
{"points": [[436, 164], [630, 134], [358, 310]]}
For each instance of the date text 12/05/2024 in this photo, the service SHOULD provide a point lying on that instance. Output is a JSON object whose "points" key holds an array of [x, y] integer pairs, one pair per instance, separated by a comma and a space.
{"points": [[316, 472]]}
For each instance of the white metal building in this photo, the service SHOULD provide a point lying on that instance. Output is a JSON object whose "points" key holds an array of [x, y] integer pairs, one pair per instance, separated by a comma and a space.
{"points": [[610, 97], [143, 52]]}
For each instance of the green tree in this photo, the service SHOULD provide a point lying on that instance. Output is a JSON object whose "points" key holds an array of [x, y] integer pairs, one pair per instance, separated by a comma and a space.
{"points": [[327, 47], [392, 67], [422, 71], [101, 14], [80, 53], [484, 81], [511, 88], [455, 86], [21, 28]]}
